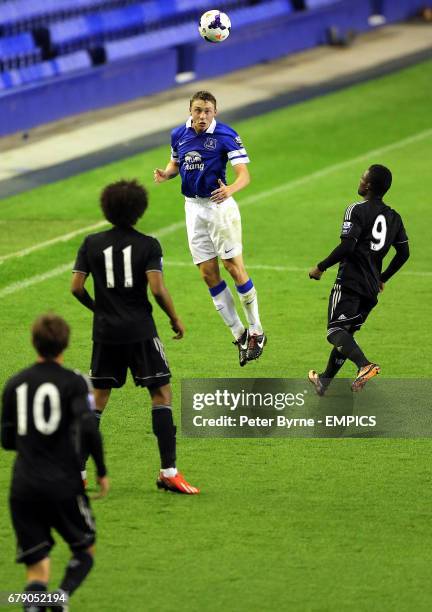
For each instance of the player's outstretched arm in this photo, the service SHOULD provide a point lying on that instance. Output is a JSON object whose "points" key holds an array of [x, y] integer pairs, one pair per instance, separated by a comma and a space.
{"points": [[346, 246], [164, 300], [171, 171], [79, 292]]}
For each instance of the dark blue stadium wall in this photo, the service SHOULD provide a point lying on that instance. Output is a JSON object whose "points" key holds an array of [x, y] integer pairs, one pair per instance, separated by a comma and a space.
{"points": [[119, 81], [88, 90], [276, 38]]}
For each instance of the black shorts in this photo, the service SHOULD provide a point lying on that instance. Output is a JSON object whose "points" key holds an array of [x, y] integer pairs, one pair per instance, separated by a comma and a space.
{"points": [[34, 520], [146, 361], [347, 310]]}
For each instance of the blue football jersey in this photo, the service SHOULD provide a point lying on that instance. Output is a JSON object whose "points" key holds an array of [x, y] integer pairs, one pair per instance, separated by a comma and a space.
{"points": [[202, 158]]}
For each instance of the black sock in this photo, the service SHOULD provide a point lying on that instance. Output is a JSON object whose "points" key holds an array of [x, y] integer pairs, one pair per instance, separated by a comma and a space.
{"points": [[335, 362], [35, 586], [76, 571], [165, 432], [344, 342]]}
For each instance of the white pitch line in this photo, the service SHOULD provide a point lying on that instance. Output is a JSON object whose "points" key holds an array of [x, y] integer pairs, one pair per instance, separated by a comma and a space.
{"points": [[38, 278], [84, 230], [187, 264], [62, 238], [242, 202], [339, 166], [168, 229], [33, 280]]}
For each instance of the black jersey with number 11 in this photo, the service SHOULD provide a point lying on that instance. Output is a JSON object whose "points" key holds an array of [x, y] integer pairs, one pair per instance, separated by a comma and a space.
{"points": [[118, 260], [375, 227]]}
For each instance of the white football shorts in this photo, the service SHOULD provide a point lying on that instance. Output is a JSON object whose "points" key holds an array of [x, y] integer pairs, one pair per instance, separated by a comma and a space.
{"points": [[214, 230]]}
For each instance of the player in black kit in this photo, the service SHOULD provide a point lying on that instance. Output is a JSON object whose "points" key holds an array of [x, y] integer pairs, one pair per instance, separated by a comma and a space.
{"points": [[48, 418], [369, 229], [123, 262]]}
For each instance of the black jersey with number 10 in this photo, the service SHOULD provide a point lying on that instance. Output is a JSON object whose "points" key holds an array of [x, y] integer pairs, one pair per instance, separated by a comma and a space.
{"points": [[118, 260], [375, 227], [44, 408]]}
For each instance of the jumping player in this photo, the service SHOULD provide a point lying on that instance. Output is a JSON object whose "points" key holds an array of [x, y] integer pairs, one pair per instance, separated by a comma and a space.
{"points": [[369, 229], [48, 420], [200, 151], [122, 262]]}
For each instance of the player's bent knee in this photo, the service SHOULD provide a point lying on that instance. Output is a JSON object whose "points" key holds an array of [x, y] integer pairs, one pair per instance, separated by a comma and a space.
{"points": [[83, 557], [334, 336]]}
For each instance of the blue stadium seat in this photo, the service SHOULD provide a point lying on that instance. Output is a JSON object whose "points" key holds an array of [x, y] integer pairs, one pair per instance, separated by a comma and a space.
{"points": [[10, 79], [260, 12], [44, 70], [71, 62], [134, 18], [313, 4], [16, 15], [186, 6], [174, 36], [153, 41], [17, 50], [67, 33], [29, 74], [95, 27]]}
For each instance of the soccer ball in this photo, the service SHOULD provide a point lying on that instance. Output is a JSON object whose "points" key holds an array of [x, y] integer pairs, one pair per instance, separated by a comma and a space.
{"points": [[214, 26]]}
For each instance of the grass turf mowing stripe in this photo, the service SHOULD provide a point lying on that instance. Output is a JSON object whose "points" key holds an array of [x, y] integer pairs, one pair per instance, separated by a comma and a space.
{"points": [[246, 201], [47, 243], [39, 278], [336, 524], [258, 266]]}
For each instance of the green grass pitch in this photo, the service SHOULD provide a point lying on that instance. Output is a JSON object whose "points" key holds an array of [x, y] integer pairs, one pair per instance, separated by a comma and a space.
{"points": [[304, 525]]}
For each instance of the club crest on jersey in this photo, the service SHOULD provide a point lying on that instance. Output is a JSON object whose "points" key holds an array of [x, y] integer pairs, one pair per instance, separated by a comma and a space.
{"points": [[193, 161], [346, 226], [210, 143]]}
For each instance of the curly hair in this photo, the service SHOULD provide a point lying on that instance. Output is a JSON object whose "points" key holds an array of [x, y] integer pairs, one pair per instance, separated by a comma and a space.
{"points": [[124, 202]]}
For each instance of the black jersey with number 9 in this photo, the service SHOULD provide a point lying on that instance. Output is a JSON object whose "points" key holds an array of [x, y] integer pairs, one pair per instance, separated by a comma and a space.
{"points": [[375, 227]]}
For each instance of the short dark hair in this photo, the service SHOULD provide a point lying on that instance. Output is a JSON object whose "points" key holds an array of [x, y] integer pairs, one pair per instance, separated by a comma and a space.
{"points": [[380, 179], [124, 202], [50, 335], [203, 95]]}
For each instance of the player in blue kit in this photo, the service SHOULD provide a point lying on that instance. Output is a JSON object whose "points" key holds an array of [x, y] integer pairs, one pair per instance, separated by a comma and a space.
{"points": [[200, 151]]}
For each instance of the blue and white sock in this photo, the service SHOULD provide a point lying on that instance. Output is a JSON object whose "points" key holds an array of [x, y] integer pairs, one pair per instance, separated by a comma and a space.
{"points": [[249, 300], [224, 304]]}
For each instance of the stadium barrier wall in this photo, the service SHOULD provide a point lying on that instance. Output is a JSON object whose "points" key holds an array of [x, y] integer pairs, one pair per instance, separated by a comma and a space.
{"points": [[124, 80], [398, 10], [279, 37], [86, 90]]}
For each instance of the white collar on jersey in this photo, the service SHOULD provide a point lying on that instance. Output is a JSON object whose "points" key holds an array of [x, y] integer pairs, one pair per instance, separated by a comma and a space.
{"points": [[211, 128]]}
